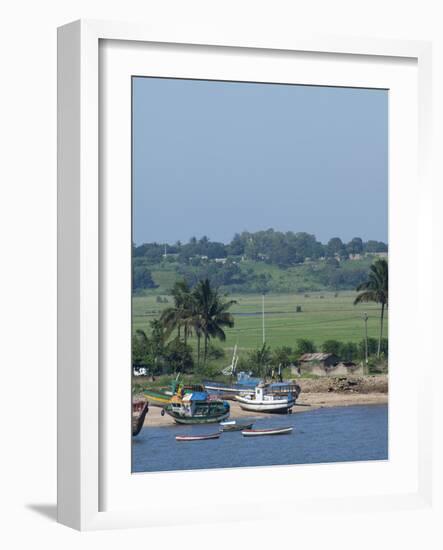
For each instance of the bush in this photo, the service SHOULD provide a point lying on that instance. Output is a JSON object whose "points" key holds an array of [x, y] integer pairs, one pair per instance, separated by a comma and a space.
{"points": [[372, 347], [142, 278], [282, 356], [304, 346], [215, 352], [178, 357], [332, 346]]}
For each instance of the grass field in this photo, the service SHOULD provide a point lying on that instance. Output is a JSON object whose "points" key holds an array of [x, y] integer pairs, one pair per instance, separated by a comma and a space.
{"points": [[324, 316]]}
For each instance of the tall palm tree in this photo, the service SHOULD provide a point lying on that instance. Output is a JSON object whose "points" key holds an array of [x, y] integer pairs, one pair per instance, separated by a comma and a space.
{"points": [[375, 289], [211, 315]]}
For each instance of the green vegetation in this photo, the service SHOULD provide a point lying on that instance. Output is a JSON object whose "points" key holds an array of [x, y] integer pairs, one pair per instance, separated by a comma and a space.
{"points": [[201, 312], [187, 296], [375, 289], [265, 261], [325, 316]]}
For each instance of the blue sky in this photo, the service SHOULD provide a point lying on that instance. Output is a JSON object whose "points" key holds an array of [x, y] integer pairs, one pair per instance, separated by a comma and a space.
{"points": [[216, 158]]}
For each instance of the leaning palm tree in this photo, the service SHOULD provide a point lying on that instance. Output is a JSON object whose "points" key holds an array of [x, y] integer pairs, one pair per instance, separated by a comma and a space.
{"points": [[375, 289], [210, 316]]}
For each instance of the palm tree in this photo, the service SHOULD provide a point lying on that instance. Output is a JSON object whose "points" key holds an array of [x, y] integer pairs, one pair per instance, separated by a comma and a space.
{"points": [[210, 315], [375, 289], [176, 316]]}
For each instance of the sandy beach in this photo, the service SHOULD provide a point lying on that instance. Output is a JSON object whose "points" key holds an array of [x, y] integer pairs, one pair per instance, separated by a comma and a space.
{"points": [[306, 402]]}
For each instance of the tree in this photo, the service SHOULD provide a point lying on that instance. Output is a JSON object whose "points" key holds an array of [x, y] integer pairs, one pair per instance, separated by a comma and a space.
{"points": [[263, 282], [211, 315], [375, 289], [349, 351], [259, 360], [332, 346], [304, 346], [375, 246], [178, 356], [149, 350], [181, 314], [355, 246], [334, 246], [282, 356], [140, 348], [237, 246], [142, 278]]}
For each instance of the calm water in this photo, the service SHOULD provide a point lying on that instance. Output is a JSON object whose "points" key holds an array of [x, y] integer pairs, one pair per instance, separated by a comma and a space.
{"points": [[325, 435]]}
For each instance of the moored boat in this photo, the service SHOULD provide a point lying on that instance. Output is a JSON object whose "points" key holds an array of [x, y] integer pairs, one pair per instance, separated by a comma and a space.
{"points": [[197, 437], [272, 431], [197, 407], [264, 400]]}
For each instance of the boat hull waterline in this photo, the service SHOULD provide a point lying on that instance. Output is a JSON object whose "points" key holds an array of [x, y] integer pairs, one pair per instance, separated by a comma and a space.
{"points": [[197, 420], [275, 431]]}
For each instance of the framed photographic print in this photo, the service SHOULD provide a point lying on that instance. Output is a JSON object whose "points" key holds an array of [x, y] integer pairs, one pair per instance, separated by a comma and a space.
{"points": [[235, 218]]}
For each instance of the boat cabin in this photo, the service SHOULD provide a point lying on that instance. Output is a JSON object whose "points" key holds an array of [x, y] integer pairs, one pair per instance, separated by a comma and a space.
{"points": [[265, 393]]}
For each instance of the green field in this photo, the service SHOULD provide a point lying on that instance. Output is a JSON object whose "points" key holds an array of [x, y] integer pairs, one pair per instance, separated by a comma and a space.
{"points": [[324, 316]]}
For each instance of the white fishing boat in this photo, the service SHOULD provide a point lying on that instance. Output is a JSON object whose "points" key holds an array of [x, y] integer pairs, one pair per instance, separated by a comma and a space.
{"points": [[264, 400], [273, 431]]}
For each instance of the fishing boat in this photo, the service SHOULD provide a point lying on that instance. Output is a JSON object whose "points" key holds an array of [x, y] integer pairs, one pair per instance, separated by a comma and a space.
{"points": [[197, 437], [263, 399], [272, 431], [162, 397], [248, 386], [235, 427], [158, 398], [189, 404], [197, 408]]}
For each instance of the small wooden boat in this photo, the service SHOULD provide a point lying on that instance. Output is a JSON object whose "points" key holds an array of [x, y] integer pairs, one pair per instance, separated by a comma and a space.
{"points": [[197, 437], [273, 431], [235, 427]]}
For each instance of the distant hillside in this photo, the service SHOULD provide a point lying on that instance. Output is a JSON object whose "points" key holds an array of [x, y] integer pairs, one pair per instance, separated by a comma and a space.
{"points": [[250, 276], [265, 261]]}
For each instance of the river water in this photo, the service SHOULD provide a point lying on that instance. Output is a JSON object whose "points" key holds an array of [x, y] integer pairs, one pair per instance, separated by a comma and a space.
{"points": [[338, 434]]}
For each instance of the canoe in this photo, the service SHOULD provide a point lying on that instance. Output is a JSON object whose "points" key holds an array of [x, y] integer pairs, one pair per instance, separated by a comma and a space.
{"points": [[236, 427], [227, 422], [197, 437], [273, 431]]}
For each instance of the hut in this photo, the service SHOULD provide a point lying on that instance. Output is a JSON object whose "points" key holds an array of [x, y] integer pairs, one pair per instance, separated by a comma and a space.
{"points": [[321, 359]]}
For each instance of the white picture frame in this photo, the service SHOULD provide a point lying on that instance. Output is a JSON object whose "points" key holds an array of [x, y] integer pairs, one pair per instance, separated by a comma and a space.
{"points": [[84, 210]]}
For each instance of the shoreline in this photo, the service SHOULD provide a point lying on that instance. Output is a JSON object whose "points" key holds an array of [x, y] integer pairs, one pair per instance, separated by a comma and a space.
{"points": [[309, 401]]}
